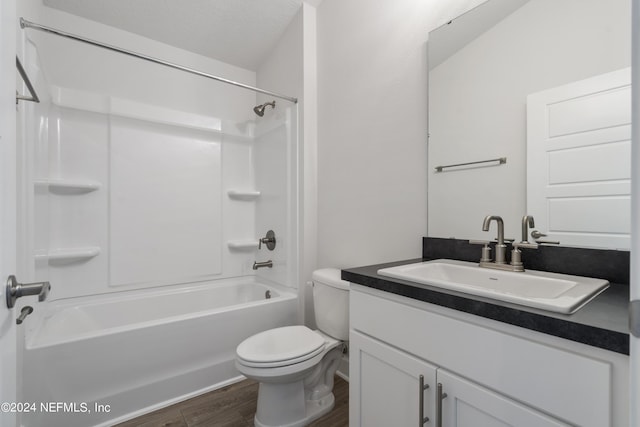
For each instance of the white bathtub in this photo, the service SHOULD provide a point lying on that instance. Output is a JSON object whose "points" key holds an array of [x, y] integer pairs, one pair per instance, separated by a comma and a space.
{"points": [[136, 351]]}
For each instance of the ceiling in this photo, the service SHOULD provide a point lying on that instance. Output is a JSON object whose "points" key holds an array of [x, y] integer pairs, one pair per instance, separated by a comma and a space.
{"points": [[238, 32], [457, 33]]}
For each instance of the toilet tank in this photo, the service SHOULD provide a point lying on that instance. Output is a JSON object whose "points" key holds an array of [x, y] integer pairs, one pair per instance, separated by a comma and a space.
{"points": [[331, 303]]}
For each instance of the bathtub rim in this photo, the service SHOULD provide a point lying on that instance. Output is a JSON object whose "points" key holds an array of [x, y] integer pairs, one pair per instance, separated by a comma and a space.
{"points": [[32, 334]]}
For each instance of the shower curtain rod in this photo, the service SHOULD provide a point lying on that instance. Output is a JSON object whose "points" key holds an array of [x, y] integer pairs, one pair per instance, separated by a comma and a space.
{"points": [[27, 24]]}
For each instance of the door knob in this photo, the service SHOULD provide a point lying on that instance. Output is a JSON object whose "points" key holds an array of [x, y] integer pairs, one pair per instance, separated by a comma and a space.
{"points": [[17, 290], [536, 234]]}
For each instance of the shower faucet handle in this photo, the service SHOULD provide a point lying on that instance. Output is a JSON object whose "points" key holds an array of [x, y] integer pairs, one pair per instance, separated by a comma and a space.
{"points": [[269, 240]]}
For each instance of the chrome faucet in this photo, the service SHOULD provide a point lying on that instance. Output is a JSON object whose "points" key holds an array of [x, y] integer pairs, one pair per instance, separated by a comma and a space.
{"points": [[257, 265], [516, 255], [501, 248]]}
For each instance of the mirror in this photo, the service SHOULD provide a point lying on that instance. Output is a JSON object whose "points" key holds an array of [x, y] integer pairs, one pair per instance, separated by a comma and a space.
{"points": [[482, 67]]}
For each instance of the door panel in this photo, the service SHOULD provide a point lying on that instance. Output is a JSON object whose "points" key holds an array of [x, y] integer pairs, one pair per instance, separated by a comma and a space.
{"points": [[634, 395], [384, 385], [578, 161], [469, 405]]}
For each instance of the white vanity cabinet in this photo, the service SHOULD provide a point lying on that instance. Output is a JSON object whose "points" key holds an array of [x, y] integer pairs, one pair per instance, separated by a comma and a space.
{"points": [[493, 374], [387, 382], [389, 390], [467, 404]]}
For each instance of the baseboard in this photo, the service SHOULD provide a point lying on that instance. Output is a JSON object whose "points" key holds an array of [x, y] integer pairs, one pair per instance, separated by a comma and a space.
{"points": [[343, 369]]}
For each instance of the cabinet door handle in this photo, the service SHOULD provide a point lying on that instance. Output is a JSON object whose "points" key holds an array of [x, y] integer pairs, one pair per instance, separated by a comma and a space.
{"points": [[440, 396], [423, 387]]}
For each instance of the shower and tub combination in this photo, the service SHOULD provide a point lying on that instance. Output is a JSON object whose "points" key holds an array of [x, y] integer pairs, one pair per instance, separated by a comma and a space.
{"points": [[151, 199]]}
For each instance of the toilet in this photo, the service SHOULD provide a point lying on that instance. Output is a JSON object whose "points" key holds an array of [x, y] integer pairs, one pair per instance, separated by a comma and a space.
{"points": [[294, 364]]}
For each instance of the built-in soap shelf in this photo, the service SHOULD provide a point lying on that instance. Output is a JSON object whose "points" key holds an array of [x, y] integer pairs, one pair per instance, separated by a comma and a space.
{"points": [[64, 186], [242, 245], [243, 194], [68, 255]]}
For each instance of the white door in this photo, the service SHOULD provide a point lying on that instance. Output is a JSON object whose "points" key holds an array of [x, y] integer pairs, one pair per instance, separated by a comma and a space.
{"points": [[634, 395], [468, 405], [384, 385], [7, 206], [578, 161]]}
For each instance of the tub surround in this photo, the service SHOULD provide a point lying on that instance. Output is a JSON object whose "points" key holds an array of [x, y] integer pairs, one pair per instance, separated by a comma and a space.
{"points": [[602, 323]]}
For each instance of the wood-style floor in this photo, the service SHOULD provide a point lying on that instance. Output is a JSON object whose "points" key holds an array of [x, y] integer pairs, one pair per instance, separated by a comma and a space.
{"points": [[233, 406]]}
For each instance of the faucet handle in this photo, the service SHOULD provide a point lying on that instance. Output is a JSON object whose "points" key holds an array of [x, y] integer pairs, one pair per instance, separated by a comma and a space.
{"points": [[527, 245], [486, 251], [516, 255], [269, 240], [479, 242]]}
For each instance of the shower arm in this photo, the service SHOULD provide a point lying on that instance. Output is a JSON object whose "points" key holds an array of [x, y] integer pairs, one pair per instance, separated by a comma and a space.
{"points": [[27, 24]]}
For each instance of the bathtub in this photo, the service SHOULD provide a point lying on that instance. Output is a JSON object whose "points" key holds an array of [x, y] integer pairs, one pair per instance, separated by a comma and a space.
{"points": [[95, 361]]}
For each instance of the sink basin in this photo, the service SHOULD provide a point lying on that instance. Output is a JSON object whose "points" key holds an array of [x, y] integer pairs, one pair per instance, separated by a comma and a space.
{"points": [[560, 293]]}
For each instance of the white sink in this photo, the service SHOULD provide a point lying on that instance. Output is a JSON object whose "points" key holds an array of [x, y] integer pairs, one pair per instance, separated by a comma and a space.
{"points": [[555, 292]]}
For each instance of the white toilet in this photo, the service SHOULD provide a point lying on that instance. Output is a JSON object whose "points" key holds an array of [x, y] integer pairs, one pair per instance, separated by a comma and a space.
{"points": [[294, 364]]}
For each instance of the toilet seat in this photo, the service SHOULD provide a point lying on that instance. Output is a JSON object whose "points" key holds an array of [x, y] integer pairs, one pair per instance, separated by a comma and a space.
{"points": [[278, 347]]}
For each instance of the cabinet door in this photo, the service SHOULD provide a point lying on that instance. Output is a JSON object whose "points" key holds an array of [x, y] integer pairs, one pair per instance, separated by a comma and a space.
{"points": [[469, 405], [384, 385]]}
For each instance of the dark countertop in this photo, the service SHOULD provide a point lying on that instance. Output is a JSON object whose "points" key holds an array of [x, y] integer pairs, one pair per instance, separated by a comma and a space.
{"points": [[602, 323]]}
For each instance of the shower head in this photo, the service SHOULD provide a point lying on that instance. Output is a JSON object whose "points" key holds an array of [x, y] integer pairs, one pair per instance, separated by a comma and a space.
{"points": [[259, 109]]}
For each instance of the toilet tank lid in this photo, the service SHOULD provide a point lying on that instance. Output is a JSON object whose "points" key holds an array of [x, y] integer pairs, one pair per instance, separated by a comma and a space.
{"points": [[331, 277]]}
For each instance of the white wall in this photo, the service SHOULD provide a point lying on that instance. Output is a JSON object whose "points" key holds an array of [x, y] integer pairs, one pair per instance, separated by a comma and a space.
{"points": [[372, 127], [291, 69], [478, 104], [309, 149]]}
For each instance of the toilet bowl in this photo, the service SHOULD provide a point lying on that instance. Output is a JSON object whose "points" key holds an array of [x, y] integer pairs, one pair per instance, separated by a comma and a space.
{"points": [[294, 364]]}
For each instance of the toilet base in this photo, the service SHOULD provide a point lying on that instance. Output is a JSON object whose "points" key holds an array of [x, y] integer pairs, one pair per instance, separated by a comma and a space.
{"points": [[298, 403], [314, 409]]}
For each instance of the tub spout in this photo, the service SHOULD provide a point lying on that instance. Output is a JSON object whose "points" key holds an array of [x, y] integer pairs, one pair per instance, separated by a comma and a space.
{"points": [[257, 265]]}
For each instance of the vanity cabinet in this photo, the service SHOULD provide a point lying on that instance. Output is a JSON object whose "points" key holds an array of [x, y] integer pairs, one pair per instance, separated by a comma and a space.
{"points": [[492, 374], [387, 383], [389, 388], [469, 405]]}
